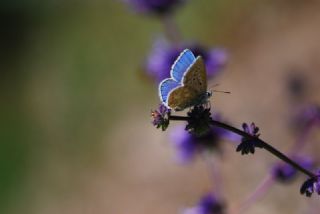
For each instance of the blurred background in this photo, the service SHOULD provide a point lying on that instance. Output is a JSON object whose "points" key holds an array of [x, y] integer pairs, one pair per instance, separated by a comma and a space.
{"points": [[75, 132]]}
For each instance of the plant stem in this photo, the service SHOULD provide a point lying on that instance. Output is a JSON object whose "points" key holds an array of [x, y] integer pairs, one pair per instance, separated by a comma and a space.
{"points": [[178, 118], [265, 145], [214, 173], [265, 184], [171, 30]]}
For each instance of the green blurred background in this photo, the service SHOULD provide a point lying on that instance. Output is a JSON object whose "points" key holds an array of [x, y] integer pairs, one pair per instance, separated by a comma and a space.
{"points": [[75, 132]]}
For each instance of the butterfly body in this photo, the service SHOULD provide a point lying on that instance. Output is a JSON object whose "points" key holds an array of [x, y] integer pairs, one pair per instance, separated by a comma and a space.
{"points": [[188, 83]]}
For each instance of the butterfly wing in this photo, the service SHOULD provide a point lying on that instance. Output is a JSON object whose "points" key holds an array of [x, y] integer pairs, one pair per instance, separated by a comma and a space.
{"points": [[180, 66], [187, 84], [165, 87], [196, 76], [181, 98]]}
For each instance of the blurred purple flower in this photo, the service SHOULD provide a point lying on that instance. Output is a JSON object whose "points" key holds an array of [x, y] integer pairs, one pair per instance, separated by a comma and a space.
{"points": [[163, 55], [158, 7], [311, 185], [251, 130], [284, 173], [297, 85], [307, 117], [188, 145], [208, 204]]}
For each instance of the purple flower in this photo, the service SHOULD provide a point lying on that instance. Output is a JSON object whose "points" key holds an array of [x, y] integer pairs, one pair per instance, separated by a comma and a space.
{"points": [[208, 204], [251, 130], [311, 185], [307, 117], [161, 117], [284, 172], [186, 148], [158, 7], [248, 145], [188, 145], [163, 56]]}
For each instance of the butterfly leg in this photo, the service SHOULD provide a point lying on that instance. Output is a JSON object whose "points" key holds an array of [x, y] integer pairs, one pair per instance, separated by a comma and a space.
{"points": [[207, 104]]}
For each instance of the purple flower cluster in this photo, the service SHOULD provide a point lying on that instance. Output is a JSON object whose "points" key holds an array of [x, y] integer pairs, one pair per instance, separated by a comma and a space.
{"points": [[161, 117], [311, 185], [163, 55], [188, 145], [208, 204], [248, 145], [199, 118], [284, 173], [158, 7]]}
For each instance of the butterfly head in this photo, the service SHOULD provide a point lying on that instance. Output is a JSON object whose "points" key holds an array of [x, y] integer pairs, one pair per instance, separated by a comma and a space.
{"points": [[208, 94], [204, 98]]}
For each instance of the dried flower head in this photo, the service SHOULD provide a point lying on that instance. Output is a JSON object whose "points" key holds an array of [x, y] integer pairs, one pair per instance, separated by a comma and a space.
{"points": [[199, 120], [208, 204], [247, 144]]}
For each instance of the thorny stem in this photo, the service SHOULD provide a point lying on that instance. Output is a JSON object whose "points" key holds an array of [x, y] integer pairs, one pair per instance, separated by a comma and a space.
{"points": [[264, 145]]}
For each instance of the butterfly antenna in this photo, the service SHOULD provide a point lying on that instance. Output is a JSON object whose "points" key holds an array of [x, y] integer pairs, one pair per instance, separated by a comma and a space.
{"points": [[215, 85], [226, 92]]}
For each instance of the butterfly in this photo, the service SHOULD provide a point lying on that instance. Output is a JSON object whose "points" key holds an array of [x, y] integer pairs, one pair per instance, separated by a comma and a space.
{"points": [[187, 85]]}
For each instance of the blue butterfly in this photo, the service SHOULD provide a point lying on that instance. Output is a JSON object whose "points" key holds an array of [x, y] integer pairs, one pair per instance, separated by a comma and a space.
{"points": [[187, 86]]}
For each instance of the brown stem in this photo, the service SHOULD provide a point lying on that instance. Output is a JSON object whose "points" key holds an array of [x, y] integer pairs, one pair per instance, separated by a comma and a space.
{"points": [[264, 145]]}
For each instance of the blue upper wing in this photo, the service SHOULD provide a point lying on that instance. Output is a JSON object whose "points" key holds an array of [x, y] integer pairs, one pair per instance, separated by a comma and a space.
{"points": [[182, 63], [165, 87]]}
